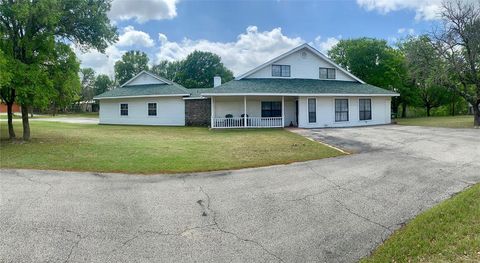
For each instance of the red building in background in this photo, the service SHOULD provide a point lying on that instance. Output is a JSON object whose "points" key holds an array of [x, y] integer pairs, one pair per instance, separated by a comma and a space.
{"points": [[3, 108]]}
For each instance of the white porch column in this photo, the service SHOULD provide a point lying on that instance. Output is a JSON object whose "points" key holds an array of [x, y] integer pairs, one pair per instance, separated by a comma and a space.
{"points": [[283, 111], [245, 111], [212, 112]]}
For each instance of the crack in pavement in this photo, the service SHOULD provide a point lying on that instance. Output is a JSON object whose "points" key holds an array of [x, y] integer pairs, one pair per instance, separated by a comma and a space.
{"points": [[75, 244], [215, 223], [361, 216]]}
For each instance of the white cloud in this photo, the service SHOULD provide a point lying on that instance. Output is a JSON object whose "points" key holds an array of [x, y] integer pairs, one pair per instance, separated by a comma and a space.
{"points": [[252, 48], [408, 31], [424, 9], [132, 37], [101, 63], [143, 10], [325, 45]]}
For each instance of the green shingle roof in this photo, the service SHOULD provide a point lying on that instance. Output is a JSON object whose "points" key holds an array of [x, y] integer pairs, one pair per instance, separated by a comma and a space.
{"points": [[145, 90], [297, 86]]}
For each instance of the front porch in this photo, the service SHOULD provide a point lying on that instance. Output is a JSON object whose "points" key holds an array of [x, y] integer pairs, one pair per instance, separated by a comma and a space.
{"points": [[253, 111]]}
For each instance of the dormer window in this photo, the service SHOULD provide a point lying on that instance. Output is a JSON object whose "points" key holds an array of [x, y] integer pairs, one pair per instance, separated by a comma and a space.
{"points": [[280, 70], [327, 73]]}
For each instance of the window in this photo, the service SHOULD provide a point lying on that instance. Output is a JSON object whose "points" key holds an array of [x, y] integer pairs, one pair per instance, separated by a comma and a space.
{"points": [[312, 110], [280, 70], [271, 109], [152, 109], [365, 106], [341, 110], [124, 109], [327, 73]]}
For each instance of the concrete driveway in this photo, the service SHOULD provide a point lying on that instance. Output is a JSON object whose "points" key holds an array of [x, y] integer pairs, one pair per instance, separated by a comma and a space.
{"points": [[331, 210]]}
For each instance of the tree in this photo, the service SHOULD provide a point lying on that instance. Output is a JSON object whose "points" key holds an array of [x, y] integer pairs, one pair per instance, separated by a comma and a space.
{"points": [[132, 63], [64, 74], [31, 32], [199, 68], [87, 83], [167, 69], [102, 84], [6, 91], [458, 41], [426, 72]]}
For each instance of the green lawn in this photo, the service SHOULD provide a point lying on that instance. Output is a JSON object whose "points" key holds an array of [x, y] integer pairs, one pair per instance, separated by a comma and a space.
{"points": [[142, 149], [465, 121], [449, 232]]}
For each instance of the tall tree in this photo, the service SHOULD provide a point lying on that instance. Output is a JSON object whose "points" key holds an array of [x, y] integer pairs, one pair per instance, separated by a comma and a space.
{"points": [[64, 74], [87, 83], [167, 69], [373, 61], [458, 41], [102, 84], [132, 63], [199, 68], [31, 32], [426, 72], [6, 91]]}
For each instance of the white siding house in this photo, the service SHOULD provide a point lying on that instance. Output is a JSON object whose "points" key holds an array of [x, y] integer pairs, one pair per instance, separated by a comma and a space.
{"points": [[146, 99], [301, 88]]}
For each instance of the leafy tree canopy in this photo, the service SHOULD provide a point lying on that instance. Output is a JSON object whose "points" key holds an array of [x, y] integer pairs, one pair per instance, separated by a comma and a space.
{"points": [[195, 71], [132, 63], [102, 84]]}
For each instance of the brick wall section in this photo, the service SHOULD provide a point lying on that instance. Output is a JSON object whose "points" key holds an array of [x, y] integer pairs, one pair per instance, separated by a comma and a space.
{"points": [[197, 112]]}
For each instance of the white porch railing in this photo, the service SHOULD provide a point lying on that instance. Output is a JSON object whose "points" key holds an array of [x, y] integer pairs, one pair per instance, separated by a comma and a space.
{"points": [[251, 122]]}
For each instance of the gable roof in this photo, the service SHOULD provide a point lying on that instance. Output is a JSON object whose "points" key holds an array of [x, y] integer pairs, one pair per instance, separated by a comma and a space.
{"points": [[307, 87], [146, 90], [163, 80], [165, 88], [310, 48]]}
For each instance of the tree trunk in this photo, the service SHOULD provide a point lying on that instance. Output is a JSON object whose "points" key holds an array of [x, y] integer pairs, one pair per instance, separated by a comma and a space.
{"points": [[428, 111], [26, 124], [476, 114], [453, 108], [404, 110], [11, 131]]}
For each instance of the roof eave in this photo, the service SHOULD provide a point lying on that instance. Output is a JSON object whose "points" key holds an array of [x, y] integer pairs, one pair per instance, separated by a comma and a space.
{"points": [[302, 94], [142, 96]]}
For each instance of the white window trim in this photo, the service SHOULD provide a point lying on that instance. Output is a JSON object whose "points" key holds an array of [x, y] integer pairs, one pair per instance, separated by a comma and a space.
{"points": [[334, 110], [281, 65], [371, 110], [316, 111], [120, 110], [327, 73], [156, 105]]}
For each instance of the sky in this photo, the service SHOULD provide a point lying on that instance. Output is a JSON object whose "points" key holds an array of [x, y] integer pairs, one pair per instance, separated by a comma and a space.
{"points": [[247, 33]]}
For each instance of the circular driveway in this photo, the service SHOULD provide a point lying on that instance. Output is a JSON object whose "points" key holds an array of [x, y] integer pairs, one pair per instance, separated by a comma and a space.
{"points": [[333, 210]]}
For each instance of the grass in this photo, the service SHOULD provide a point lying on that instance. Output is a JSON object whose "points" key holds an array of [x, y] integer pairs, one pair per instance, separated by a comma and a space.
{"points": [[449, 232], [465, 121], [142, 149], [61, 115]]}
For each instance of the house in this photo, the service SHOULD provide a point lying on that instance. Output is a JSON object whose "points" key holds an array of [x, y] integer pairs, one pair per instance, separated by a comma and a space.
{"points": [[15, 108], [302, 87]]}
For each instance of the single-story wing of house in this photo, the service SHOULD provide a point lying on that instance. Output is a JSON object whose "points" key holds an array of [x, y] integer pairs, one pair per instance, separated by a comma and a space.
{"points": [[301, 88]]}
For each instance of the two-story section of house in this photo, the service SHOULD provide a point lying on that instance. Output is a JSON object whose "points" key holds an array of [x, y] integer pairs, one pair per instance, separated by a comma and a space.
{"points": [[303, 88]]}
